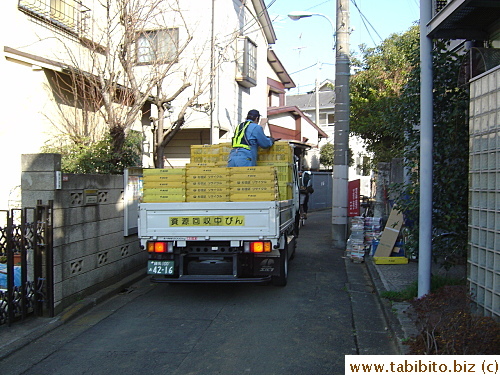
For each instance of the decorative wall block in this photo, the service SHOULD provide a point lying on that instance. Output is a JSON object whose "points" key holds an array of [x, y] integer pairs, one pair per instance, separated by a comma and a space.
{"points": [[76, 198], [76, 266], [124, 251], [102, 258]]}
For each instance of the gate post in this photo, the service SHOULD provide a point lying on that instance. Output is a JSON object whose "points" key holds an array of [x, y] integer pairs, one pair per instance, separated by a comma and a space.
{"points": [[40, 174]]}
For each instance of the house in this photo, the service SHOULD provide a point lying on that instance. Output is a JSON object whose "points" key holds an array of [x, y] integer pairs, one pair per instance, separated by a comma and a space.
{"points": [[67, 75], [475, 26], [289, 122], [319, 107]]}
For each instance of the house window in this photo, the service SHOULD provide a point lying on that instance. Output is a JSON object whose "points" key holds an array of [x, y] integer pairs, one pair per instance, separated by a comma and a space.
{"points": [[246, 74], [155, 46], [326, 119], [363, 165]]}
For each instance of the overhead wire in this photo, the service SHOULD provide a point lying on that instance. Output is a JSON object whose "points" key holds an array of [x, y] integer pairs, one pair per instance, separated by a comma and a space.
{"points": [[365, 20]]}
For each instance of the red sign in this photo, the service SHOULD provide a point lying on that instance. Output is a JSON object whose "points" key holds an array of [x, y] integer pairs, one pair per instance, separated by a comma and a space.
{"points": [[353, 198]]}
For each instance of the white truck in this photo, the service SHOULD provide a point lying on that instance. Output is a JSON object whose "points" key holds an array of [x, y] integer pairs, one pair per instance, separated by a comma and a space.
{"points": [[214, 242]]}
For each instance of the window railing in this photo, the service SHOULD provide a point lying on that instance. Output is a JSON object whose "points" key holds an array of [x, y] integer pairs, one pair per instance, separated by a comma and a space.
{"points": [[246, 64], [438, 5], [69, 15]]}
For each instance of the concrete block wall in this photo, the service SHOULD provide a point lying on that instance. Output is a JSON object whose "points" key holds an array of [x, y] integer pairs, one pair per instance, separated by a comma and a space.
{"points": [[90, 249]]}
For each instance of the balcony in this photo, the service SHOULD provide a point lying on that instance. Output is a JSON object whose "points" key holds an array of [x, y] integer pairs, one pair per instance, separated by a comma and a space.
{"points": [[68, 15], [464, 19]]}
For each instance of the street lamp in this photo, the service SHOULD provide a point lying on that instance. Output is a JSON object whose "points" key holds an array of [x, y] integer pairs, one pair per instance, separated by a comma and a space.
{"points": [[341, 131], [297, 15]]}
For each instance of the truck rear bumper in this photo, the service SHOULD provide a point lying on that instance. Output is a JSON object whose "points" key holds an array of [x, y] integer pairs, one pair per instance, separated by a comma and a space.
{"points": [[211, 279]]}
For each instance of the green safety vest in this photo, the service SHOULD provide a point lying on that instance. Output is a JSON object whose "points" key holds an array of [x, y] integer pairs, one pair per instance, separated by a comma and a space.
{"points": [[239, 134]]}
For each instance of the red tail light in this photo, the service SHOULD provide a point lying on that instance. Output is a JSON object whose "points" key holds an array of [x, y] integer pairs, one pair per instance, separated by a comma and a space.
{"points": [[260, 247], [159, 247]]}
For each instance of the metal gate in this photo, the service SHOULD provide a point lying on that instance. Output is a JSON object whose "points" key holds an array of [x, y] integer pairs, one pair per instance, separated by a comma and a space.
{"points": [[26, 277]]}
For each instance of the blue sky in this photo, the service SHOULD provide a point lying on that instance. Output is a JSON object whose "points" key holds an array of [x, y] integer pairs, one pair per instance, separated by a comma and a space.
{"points": [[306, 42]]}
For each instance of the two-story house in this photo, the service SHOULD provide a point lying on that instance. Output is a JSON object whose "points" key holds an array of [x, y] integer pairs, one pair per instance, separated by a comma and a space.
{"points": [[75, 68]]}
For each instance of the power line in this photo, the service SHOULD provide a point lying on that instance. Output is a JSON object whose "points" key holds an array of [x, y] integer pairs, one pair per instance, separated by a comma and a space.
{"points": [[301, 70], [363, 18]]}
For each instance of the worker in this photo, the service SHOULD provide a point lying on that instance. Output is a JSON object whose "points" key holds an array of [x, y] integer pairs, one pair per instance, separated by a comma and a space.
{"points": [[248, 137]]}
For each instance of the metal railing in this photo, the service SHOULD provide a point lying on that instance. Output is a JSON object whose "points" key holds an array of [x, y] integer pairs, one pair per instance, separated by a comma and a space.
{"points": [[26, 282], [69, 15]]}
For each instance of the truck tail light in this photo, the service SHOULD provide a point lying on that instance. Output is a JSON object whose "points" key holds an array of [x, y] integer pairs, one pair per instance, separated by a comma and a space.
{"points": [[160, 247], [260, 247]]}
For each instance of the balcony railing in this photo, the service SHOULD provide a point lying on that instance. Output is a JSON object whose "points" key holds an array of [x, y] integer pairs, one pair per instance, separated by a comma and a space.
{"points": [[69, 15]]}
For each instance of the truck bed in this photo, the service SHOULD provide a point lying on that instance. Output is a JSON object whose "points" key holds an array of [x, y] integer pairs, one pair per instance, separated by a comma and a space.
{"points": [[192, 221]]}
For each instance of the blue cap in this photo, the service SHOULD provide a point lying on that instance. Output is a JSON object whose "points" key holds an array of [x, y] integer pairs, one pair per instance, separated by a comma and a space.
{"points": [[253, 114]]}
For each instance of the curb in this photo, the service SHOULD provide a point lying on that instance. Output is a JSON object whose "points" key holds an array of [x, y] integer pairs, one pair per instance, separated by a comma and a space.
{"points": [[400, 325], [21, 334]]}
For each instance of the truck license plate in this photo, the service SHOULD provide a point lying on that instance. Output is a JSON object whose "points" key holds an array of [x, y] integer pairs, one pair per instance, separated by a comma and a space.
{"points": [[160, 267]]}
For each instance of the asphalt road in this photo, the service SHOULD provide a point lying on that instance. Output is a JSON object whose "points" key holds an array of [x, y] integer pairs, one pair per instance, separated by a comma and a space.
{"points": [[327, 310]]}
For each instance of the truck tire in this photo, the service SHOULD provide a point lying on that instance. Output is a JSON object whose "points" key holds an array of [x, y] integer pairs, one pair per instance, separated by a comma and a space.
{"points": [[282, 279]]}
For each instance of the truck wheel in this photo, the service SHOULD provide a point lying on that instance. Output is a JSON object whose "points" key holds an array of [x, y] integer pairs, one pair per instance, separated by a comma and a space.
{"points": [[282, 279]]}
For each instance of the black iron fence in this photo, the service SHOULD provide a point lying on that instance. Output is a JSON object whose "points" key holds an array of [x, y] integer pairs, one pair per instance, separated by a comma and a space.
{"points": [[26, 263]]}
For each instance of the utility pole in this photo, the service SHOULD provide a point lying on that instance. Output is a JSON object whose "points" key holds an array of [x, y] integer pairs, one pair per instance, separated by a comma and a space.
{"points": [[341, 135]]}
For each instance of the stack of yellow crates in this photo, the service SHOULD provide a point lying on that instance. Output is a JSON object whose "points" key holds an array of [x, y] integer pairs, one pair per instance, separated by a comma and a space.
{"points": [[205, 154], [164, 185], [208, 179], [207, 184], [253, 184], [280, 156], [224, 149]]}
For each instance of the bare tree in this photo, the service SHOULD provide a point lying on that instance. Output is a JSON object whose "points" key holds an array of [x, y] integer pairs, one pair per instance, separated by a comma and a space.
{"points": [[131, 60]]}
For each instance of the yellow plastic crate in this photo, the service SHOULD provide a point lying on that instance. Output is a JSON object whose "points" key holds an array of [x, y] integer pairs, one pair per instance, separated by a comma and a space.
{"points": [[222, 162], [204, 149], [253, 189], [225, 148], [281, 147], [252, 197], [201, 165], [285, 191], [284, 170], [207, 190], [165, 191], [163, 198], [205, 158], [207, 197], [206, 183], [267, 182], [207, 177], [257, 169], [165, 177], [390, 260], [265, 155], [163, 184], [254, 176], [207, 170], [163, 171]]}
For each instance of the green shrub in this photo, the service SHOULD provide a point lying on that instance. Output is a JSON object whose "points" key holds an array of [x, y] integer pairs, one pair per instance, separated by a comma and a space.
{"points": [[98, 157]]}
